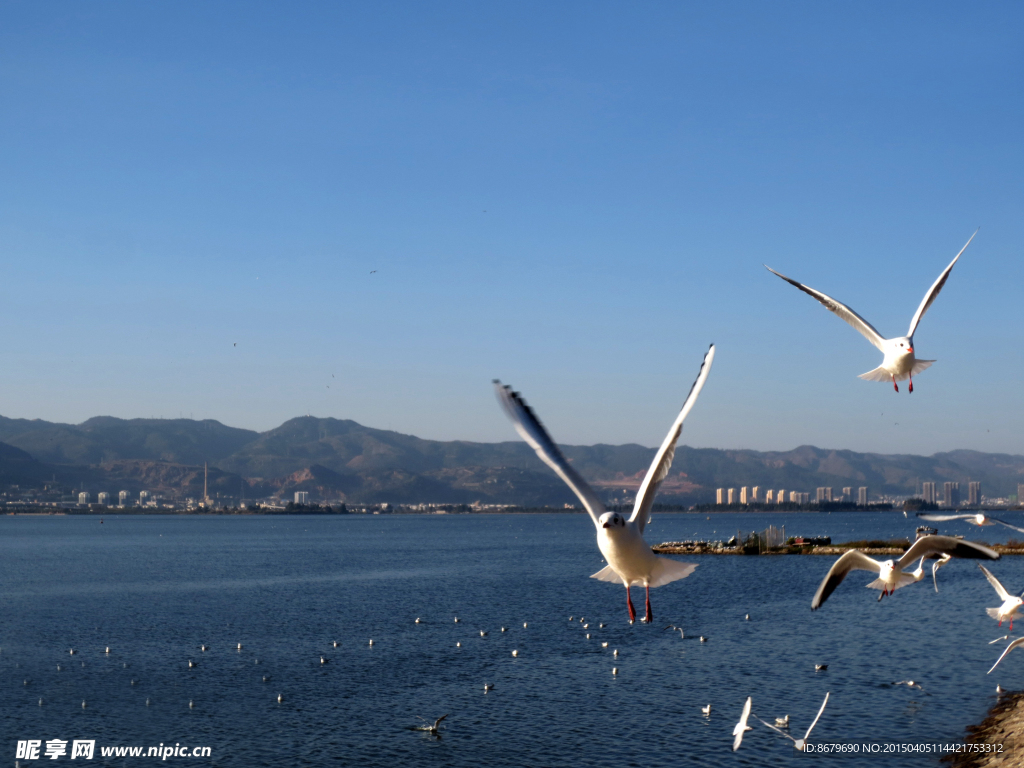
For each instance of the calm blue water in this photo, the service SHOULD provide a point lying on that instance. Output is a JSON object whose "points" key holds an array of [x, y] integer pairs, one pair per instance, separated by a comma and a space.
{"points": [[155, 588]]}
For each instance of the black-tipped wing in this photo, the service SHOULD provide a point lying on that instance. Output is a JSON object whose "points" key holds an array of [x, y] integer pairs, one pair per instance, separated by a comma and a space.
{"points": [[945, 545], [662, 463], [532, 431], [933, 292], [851, 561], [840, 309]]}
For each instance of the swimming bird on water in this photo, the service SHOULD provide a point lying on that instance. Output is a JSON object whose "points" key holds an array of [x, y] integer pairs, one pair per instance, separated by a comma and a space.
{"points": [[706, 710], [428, 727], [629, 557], [891, 575], [799, 744], [899, 362], [1011, 603]]}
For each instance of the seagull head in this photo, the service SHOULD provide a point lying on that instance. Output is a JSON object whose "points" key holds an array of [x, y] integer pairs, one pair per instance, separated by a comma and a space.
{"points": [[612, 520], [901, 346]]}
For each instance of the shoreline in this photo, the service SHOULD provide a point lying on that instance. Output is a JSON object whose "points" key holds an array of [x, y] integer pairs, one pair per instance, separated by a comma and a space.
{"points": [[1004, 725]]}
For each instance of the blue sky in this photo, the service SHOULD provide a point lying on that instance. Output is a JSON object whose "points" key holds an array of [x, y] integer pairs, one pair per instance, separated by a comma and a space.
{"points": [[574, 197]]}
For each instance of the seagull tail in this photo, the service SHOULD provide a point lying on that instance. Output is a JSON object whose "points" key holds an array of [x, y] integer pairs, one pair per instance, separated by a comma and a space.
{"points": [[993, 612], [667, 570], [607, 574], [878, 374]]}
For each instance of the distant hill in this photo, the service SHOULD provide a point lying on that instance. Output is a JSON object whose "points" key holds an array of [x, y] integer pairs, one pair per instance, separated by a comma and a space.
{"points": [[341, 459]]}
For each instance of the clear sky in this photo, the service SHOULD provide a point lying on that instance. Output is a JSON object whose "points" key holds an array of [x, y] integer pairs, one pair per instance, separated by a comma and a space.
{"points": [[250, 212]]}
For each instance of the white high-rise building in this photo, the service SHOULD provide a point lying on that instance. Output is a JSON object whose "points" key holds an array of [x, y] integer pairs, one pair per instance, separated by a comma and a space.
{"points": [[732, 495], [301, 497], [720, 496], [951, 494], [122, 498], [780, 496], [143, 498], [744, 498], [862, 496], [928, 492], [824, 494], [847, 493], [755, 493], [794, 497], [769, 496], [83, 497], [974, 493], [103, 498]]}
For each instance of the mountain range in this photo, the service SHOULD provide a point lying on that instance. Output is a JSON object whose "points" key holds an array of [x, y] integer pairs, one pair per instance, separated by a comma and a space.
{"points": [[336, 459]]}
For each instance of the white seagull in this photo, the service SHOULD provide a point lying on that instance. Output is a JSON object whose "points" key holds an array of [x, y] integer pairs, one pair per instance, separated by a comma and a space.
{"points": [[891, 575], [799, 744], [428, 727], [899, 362], [1011, 603], [629, 557], [1010, 647], [741, 727], [975, 518]]}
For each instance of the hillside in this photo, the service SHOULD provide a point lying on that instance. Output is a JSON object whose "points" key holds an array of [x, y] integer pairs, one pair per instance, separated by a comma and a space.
{"points": [[341, 459]]}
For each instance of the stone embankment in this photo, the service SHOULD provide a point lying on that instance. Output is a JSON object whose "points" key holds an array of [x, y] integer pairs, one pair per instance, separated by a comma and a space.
{"points": [[1005, 726]]}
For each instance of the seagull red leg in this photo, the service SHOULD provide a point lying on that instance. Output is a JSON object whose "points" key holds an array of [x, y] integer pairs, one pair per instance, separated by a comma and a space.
{"points": [[650, 616], [629, 604], [894, 382], [911, 383]]}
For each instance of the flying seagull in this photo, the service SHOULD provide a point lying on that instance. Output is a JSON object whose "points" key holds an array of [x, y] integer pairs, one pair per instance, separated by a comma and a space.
{"points": [[1009, 648], [899, 362], [798, 744], [629, 557], [974, 518], [741, 727], [1011, 603], [891, 575]]}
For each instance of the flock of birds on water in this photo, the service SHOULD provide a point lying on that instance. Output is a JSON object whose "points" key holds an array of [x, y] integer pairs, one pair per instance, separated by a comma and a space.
{"points": [[631, 562]]}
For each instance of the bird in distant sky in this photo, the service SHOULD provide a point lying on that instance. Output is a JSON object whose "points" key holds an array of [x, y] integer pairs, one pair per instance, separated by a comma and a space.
{"points": [[899, 362], [234, 344], [372, 271], [629, 557]]}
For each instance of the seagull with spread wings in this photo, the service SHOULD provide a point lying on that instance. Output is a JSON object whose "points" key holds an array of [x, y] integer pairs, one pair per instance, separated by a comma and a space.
{"points": [[891, 575], [899, 362], [1011, 603], [629, 557], [798, 744], [974, 518]]}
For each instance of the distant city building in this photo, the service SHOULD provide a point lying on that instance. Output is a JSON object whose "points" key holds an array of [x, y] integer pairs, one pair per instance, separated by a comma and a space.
{"points": [[928, 492], [780, 496], [862, 496], [731, 495], [83, 497], [103, 498], [720, 496], [794, 497], [974, 493], [824, 494], [848, 493], [122, 498], [769, 496], [1020, 493], [744, 496], [951, 494], [755, 493], [143, 498], [301, 497]]}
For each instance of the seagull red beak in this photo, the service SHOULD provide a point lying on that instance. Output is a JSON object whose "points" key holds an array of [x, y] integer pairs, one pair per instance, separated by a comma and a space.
{"points": [[910, 349]]}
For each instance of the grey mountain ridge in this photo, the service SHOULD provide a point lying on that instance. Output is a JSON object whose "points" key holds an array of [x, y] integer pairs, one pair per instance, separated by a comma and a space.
{"points": [[336, 458]]}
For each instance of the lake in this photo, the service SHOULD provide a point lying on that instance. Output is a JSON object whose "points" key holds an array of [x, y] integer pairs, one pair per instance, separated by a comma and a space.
{"points": [[154, 589]]}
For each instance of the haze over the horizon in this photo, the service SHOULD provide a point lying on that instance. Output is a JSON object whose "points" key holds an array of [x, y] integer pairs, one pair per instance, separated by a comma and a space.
{"points": [[575, 198]]}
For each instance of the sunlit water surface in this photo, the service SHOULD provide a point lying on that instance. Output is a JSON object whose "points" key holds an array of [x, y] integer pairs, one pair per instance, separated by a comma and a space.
{"points": [[154, 588]]}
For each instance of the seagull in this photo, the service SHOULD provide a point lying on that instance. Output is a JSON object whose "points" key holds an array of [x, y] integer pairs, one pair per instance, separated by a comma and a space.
{"points": [[991, 642], [741, 727], [428, 727], [629, 557], [974, 519], [910, 684], [935, 569], [891, 575], [706, 710], [488, 687], [820, 667], [1011, 603], [324, 660], [782, 722], [191, 664], [799, 744], [899, 362], [682, 636]]}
